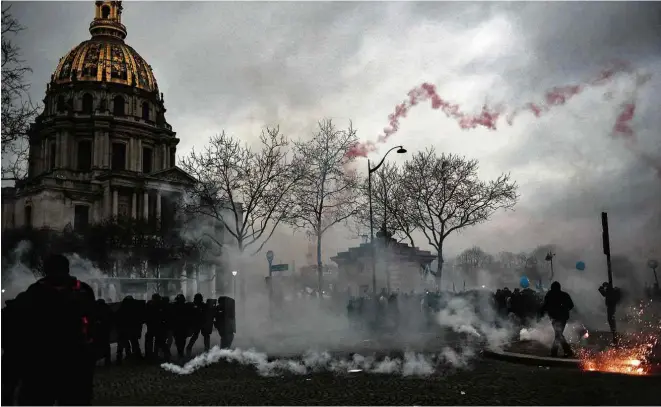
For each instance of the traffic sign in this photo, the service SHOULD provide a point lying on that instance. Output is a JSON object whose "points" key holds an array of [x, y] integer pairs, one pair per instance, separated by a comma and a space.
{"points": [[280, 267], [269, 256]]}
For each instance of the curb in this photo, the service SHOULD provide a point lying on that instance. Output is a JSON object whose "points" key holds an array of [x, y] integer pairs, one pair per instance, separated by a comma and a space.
{"points": [[532, 360]]}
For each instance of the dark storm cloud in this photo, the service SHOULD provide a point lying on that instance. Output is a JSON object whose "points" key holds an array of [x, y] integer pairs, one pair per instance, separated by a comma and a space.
{"points": [[241, 65]]}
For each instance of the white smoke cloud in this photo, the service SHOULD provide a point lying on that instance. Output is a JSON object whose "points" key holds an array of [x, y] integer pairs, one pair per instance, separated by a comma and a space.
{"points": [[411, 364]]}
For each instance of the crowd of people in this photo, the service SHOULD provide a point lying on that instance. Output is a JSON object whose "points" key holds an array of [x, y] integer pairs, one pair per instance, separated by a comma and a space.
{"points": [[55, 332], [57, 325]]}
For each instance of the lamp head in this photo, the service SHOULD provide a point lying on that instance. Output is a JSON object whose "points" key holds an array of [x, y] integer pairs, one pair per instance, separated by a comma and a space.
{"points": [[234, 273], [401, 150]]}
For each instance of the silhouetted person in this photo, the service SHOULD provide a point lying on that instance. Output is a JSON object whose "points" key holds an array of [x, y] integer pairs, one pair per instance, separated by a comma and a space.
{"points": [[180, 323], [11, 358], [557, 305], [201, 322], [612, 296], [153, 316], [103, 326], [56, 343], [225, 321], [129, 320], [166, 323]]}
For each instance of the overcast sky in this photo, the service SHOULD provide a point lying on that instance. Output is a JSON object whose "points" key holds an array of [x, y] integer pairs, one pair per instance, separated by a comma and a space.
{"points": [[242, 65]]}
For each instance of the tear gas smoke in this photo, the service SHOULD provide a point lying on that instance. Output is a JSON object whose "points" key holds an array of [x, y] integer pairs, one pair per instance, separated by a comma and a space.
{"points": [[489, 116]]}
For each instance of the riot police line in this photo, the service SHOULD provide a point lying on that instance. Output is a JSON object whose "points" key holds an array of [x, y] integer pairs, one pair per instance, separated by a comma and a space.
{"points": [[167, 322]]}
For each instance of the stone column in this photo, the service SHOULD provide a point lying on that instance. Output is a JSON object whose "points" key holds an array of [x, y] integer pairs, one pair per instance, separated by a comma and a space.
{"points": [[58, 150], [158, 205], [134, 205], [107, 204], [139, 159], [145, 206], [115, 199], [164, 162], [64, 145]]}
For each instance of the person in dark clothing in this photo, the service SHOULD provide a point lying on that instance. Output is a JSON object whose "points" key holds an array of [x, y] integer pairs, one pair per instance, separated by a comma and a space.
{"points": [[225, 321], [103, 326], [201, 322], [123, 325], [612, 296], [153, 316], [557, 305], [11, 358], [57, 314], [180, 323], [166, 324]]}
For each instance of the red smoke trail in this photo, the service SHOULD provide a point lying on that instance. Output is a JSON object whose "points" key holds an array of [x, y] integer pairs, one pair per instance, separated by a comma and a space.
{"points": [[489, 116]]}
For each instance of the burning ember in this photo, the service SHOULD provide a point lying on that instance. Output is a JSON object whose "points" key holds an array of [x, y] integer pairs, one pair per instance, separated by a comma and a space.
{"points": [[625, 361], [635, 351]]}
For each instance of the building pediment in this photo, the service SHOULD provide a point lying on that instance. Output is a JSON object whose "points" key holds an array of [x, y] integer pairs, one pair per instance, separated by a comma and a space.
{"points": [[174, 174]]}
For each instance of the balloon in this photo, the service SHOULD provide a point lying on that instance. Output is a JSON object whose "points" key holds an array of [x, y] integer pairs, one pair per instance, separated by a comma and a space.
{"points": [[580, 266], [525, 283]]}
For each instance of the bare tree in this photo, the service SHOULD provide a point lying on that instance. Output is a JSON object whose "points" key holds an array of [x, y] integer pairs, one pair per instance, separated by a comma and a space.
{"points": [[17, 108], [390, 205], [328, 192], [448, 196], [473, 259], [244, 191]]}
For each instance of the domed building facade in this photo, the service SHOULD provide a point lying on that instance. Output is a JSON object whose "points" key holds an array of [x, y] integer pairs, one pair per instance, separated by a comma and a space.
{"points": [[102, 147]]}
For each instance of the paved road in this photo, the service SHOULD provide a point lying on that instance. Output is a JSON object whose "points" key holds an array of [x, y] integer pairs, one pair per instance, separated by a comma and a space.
{"points": [[485, 382]]}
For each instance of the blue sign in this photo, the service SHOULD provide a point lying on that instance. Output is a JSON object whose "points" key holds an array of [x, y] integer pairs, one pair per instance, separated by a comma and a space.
{"points": [[524, 282], [580, 266]]}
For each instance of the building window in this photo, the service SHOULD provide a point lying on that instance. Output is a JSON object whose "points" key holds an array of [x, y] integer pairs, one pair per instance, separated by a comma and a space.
{"points": [[28, 216], [145, 111], [173, 157], [61, 104], [81, 217], [53, 155], [84, 155], [88, 103], [147, 156], [118, 106], [118, 156], [105, 12]]}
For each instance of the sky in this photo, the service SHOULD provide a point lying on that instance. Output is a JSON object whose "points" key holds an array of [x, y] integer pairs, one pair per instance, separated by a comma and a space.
{"points": [[239, 66]]}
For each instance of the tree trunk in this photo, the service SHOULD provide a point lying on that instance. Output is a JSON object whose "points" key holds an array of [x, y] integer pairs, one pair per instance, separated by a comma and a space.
{"points": [[319, 265], [439, 267]]}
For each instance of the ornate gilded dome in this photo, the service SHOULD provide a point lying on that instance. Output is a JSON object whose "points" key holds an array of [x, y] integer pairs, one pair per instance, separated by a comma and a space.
{"points": [[105, 57]]}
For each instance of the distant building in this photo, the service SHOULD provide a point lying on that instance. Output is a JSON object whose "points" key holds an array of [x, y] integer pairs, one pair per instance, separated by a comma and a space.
{"points": [[101, 147], [398, 266]]}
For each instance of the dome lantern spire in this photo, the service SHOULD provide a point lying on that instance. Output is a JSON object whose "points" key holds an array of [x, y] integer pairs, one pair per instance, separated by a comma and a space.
{"points": [[108, 20]]}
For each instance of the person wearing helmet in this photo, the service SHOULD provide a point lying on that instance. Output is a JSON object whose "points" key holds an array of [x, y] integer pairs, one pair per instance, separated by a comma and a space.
{"points": [[200, 323], [557, 305], [180, 323]]}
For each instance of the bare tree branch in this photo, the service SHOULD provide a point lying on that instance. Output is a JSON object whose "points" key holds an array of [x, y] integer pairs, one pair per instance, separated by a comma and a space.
{"points": [[17, 108], [245, 191], [448, 196], [327, 194], [388, 201]]}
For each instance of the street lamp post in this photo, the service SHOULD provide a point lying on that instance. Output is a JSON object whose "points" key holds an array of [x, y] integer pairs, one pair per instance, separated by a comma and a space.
{"points": [[549, 258], [370, 170], [234, 273], [653, 264]]}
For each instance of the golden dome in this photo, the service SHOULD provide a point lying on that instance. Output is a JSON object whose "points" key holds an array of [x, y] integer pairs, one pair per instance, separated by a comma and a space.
{"points": [[105, 57]]}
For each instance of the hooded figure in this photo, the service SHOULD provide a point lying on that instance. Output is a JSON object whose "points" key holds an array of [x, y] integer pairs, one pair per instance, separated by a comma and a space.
{"points": [[557, 305], [57, 316]]}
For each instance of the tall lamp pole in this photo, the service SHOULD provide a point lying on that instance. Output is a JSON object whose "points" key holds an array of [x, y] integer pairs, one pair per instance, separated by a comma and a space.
{"points": [[370, 170], [653, 264], [549, 258]]}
